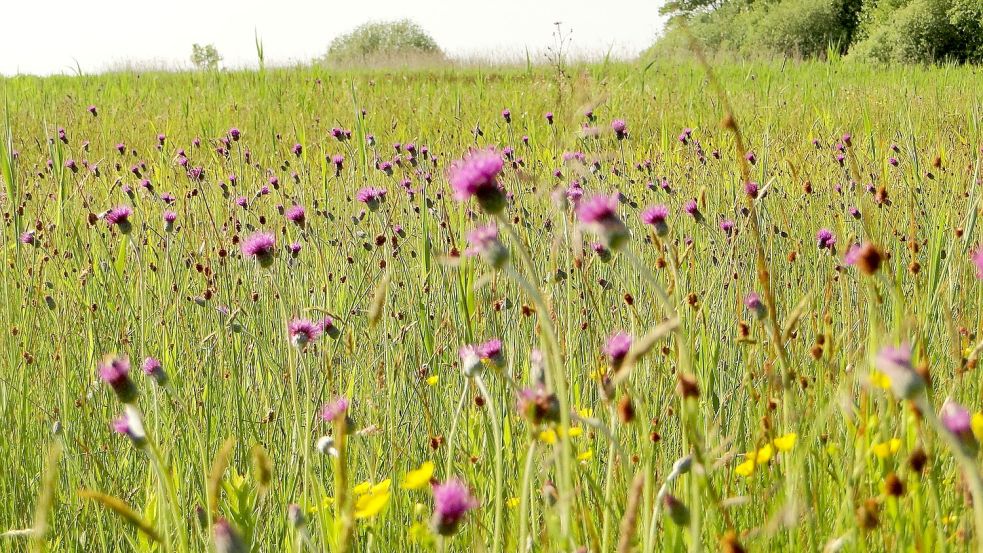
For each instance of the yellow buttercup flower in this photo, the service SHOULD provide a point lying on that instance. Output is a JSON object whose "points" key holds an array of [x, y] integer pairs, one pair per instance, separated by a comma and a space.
{"points": [[364, 487], [764, 454], [880, 380], [576, 431], [886, 449], [372, 499], [548, 436], [432, 380], [976, 423], [586, 456], [786, 442], [585, 412], [513, 502], [746, 468], [419, 477]]}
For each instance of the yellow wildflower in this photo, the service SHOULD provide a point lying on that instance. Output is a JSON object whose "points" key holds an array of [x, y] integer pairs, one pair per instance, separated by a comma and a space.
{"points": [[884, 450], [586, 456], [513, 502], [880, 380], [746, 468], [432, 380], [372, 500], [548, 436], [786, 442], [976, 423], [576, 431], [764, 454], [418, 478]]}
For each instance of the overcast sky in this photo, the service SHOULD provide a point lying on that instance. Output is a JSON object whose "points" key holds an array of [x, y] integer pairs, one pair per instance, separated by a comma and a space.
{"points": [[51, 36]]}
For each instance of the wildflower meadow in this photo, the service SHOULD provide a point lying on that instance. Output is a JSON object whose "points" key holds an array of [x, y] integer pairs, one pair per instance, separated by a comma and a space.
{"points": [[682, 306]]}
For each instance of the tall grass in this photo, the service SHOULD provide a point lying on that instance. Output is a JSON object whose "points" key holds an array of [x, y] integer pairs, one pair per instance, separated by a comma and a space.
{"points": [[404, 302]]}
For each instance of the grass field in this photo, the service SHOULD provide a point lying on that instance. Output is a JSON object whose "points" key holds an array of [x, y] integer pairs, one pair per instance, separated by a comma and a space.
{"points": [[757, 408]]}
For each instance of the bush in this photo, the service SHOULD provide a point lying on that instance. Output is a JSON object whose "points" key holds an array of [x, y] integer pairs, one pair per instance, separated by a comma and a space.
{"points": [[205, 57], [383, 40], [800, 28], [904, 31], [925, 31]]}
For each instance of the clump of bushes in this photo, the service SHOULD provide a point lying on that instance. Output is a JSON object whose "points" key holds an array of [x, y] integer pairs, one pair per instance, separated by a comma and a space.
{"points": [[904, 31], [383, 41]]}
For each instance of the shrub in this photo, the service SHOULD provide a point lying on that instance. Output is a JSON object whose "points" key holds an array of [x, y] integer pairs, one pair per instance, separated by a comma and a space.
{"points": [[799, 28], [382, 40], [205, 57]]}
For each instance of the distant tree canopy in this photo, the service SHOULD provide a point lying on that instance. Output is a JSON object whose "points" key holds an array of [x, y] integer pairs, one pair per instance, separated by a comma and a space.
{"points": [[376, 40], [205, 57], [906, 31]]}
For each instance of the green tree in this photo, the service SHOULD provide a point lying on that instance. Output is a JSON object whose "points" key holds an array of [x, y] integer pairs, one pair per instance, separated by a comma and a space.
{"points": [[205, 57], [383, 40]]}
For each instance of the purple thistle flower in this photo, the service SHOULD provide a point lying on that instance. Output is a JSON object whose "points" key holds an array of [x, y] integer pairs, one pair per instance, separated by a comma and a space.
{"points": [[297, 149], [294, 248], [727, 226], [754, 304], [852, 254], [28, 238], [751, 158], [242, 201], [120, 216], [234, 133], [152, 368], [115, 371], [977, 259], [895, 363], [470, 360], [484, 242], [328, 327], [617, 348], [825, 239], [296, 214], [538, 406], [893, 161], [599, 215], [507, 115], [371, 197], [656, 217], [451, 501], [227, 538], [691, 209], [93, 110], [620, 128], [129, 424], [71, 165], [335, 410], [303, 332], [476, 175], [259, 245], [751, 188], [549, 117], [491, 351], [854, 212], [956, 419]]}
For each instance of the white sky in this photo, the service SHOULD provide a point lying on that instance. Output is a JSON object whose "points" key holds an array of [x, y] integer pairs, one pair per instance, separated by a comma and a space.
{"points": [[49, 36]]}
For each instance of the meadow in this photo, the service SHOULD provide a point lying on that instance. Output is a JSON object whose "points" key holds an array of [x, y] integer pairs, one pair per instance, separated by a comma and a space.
{"points": [[614, 308]]}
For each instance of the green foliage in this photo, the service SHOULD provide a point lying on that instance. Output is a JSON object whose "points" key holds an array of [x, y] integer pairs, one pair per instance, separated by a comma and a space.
{"points": [[903, 31], [923, 31], [205, 57], [799, 27], [375, 40]]}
